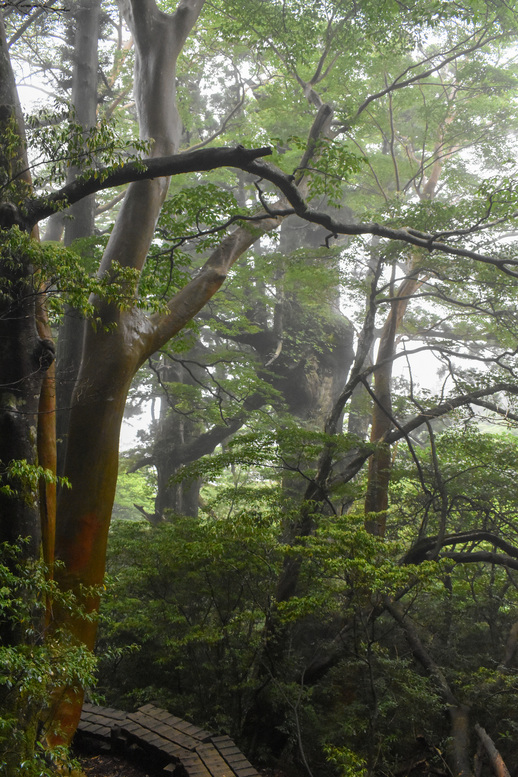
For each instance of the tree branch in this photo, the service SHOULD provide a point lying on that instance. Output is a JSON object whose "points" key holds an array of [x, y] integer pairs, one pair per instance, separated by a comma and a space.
{"points": [[484, 556], [497, 762], [248, 160], [398, 83], [144, 170], [359, 458], [40, 9], [458, 712], [419, 552]]}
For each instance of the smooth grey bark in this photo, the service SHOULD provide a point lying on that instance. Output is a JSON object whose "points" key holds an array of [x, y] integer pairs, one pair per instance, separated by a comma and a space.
{"points": [[175, 432], [113, 350], [79, 220], [109, 359]]}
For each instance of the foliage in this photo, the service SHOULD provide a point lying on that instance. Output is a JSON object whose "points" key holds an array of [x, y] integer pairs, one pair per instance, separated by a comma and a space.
{"points": [[35, 661], [59, 274], [193, 594], [66, 144], [324, 673], [23, 478], [135, 488], [181, 638]]}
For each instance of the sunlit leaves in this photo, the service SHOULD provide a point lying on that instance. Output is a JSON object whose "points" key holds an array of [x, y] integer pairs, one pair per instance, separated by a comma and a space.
{"points": [[65, 145], [60, 274]]}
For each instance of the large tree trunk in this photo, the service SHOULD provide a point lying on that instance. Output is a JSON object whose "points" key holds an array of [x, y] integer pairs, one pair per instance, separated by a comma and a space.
{"points": [[80, 218], [115, 347], [25, 357], [119, 340]]}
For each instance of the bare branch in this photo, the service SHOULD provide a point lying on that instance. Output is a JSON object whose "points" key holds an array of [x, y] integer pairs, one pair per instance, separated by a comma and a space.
{"points": [[145, 170], [484, 556], [400, 82], [222, 127], [425, 546], [39, 10]]}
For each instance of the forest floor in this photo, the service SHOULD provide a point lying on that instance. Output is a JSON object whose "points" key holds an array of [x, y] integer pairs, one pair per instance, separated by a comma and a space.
{"points": [[108, 765]]}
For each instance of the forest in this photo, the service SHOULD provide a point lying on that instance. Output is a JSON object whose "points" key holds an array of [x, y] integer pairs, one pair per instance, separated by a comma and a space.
{"points": [[259, 378]]}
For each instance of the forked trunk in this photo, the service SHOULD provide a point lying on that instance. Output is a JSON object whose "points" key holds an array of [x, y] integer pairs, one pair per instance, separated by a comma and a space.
{"points": [[115, 346]]}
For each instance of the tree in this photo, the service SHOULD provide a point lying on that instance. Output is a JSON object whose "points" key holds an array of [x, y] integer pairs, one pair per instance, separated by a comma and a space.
{"points": [[120, 333]]}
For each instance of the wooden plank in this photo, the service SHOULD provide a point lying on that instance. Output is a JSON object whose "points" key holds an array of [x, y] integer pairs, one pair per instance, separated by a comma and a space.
{"points": [[234, 757], [167, 732], [137, 716], [130, 726], [194, 766], [214, 762], [147, 738], [193, 731], [99, 730], [225, 744], [172, 720], [94, 728], [229, 749], [158, 713], [249, 771], [146, 708], [99, 721], [188, 747], [108, 713]]}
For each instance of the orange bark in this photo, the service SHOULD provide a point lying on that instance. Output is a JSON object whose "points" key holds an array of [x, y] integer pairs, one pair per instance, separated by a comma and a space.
{"points": [[84, 510]]}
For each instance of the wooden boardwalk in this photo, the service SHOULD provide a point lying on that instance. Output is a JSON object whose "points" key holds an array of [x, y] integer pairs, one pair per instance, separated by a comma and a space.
{"points": [[175, 747]]}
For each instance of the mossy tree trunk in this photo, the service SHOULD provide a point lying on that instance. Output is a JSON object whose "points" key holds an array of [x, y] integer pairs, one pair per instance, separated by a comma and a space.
{"points": [[25, 358]]}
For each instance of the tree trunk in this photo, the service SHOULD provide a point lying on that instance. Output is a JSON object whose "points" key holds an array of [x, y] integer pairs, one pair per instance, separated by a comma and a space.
{"points": [[376, 500], [497, 762], [175, 432], [25, 357], [114, 348], [80, 217]]}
